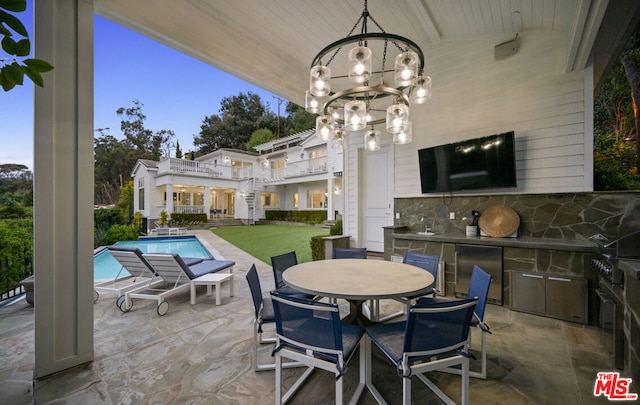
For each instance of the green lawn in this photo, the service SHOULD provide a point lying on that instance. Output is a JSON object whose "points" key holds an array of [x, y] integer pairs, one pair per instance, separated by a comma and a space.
{"points": [[264, 241]]}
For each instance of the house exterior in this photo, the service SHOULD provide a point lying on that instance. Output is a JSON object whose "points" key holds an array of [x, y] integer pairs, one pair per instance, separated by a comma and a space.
{"points": [[297, 172]]}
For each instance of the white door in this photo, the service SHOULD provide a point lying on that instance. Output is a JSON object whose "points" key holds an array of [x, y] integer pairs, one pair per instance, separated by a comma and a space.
{"points": [[376, 197]]}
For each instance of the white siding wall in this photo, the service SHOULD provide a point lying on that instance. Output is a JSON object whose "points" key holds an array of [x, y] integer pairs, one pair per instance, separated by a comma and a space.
{"points": [[474, 96]]}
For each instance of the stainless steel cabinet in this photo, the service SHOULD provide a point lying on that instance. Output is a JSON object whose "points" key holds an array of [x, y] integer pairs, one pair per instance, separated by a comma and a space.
{"points": [[528, 292], [551, 295], [567, 298]]}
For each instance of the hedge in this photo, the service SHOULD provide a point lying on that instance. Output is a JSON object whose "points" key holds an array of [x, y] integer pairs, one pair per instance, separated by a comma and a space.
{"points": [[188, 219], [305, 216], [317, 247]]}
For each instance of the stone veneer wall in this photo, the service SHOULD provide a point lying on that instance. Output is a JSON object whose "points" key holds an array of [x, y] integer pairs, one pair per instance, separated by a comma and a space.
{"points": [[561, 216], [569, 216]]}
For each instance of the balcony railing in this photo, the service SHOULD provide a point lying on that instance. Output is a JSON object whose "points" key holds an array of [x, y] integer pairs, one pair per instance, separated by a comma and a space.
{"points": [[297, 169], [189, 209], [204, 169]]}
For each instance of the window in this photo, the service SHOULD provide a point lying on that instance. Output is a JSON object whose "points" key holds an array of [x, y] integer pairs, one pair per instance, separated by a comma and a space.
{"points": [[316, 198], [269, 199], [295, 200], [141, 199]]}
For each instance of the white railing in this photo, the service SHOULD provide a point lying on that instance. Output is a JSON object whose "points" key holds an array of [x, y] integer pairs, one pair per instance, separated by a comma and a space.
{"points": [[189, 209], [204, 169], [297, 169]]}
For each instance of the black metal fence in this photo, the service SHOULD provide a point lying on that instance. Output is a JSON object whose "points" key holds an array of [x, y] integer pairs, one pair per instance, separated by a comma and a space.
{"points": [[16, 264]]}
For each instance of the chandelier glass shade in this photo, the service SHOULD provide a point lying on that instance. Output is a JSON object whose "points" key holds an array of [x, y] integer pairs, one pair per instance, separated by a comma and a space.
{"points": [[374, 78]]}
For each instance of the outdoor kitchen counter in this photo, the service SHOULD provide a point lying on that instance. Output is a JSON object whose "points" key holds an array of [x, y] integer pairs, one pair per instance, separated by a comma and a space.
{"points": [[526, 242], [630, 267]]}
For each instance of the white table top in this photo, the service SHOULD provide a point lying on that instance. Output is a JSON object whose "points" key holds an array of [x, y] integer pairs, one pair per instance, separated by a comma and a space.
{"points": [[212, 277], [357, 278]]}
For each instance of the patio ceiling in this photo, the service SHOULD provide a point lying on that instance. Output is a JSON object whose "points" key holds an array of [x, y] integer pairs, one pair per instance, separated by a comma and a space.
{"points": [[271, 43]]}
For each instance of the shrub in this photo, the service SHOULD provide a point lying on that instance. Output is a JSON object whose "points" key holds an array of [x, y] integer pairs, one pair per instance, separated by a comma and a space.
{"points": [[336, 229], [317, 247], [16, 252], [189, 219], [162, 221], [120, 232], [304, 216]]}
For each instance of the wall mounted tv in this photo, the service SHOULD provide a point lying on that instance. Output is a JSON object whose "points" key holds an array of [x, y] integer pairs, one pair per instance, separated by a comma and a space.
{"points": [[487, 162]]}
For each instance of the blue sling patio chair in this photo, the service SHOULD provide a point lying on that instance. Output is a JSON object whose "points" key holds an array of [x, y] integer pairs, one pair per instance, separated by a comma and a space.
{"points": [[263, 309], [434, 337], [349, 253], [311, 333], [424, 261], [279, 264]]}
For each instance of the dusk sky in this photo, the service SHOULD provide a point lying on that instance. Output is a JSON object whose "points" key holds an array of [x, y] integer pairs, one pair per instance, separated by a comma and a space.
{"points": [[176, 90]]}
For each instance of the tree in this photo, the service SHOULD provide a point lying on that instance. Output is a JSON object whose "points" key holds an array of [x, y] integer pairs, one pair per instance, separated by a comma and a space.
{"points": [[259, 137], [178, 150], [239, 116], [125, 203], [114, 159], [113, 162], [14, 68], [143, 140], [16, 180], [630, 60], [299, 119], [616, 123]]}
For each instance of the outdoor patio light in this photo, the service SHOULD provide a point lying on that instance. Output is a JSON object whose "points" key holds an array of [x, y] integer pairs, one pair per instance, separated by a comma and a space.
{"points": [[372, 140], [354, 93]]}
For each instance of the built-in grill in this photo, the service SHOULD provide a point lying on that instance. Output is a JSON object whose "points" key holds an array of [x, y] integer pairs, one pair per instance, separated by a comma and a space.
{"points": [[610, 251], [610, 288]]}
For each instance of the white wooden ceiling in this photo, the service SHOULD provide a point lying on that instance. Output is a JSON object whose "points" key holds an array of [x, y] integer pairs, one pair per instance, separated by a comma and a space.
{"points": [[271, 43]]}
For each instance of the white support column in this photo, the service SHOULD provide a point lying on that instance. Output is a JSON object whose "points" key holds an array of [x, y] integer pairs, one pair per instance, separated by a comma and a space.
{"points": [[207, 200], [169, 206], [330, 199], [63, 187]]}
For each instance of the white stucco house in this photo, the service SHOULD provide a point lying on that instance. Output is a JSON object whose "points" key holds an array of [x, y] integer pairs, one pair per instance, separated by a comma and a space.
{"points": [[297, 172]]}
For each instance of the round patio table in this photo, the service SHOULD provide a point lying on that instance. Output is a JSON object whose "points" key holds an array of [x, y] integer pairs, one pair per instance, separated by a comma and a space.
{"points": [[358, 280]]}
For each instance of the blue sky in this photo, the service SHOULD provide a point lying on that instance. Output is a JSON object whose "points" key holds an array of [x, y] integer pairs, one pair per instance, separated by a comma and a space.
{"points": [[176, 90]]}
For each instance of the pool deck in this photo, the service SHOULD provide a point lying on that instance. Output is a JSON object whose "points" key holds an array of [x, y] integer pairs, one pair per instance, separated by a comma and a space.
{"points": [[200, 354]]}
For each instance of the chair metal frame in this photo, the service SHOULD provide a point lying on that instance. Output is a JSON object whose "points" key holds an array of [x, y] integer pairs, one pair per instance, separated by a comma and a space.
{"points": [[420, 361], [478, 289], [311, 355]]}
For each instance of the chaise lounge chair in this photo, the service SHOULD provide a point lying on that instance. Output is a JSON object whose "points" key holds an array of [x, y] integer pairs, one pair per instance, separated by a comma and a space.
{"points": [[176, 276], [140, 273]]}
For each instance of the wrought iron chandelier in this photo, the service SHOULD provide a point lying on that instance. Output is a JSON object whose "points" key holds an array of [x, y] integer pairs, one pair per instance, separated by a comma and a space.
{"points": [[361, 96]]}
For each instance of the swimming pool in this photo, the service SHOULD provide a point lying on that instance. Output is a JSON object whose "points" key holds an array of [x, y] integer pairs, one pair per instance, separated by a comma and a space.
{"points": [[106, 267]]}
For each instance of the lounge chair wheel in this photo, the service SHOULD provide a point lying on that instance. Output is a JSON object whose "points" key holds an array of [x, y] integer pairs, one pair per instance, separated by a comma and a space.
{"points": [[96, 296], [119, 301], [163, 308], [122, 306]]}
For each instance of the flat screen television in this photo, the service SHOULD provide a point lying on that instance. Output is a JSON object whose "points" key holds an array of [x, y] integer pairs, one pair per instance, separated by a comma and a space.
{"points": [[487, 162]]}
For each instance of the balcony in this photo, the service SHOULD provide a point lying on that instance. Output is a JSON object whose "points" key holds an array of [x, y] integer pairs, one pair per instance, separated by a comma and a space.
{"points": [[204, 169], [296, 169]]}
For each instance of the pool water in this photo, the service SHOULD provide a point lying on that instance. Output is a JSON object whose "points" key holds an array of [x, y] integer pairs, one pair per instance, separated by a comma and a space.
{"points": [[106, 267]]}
